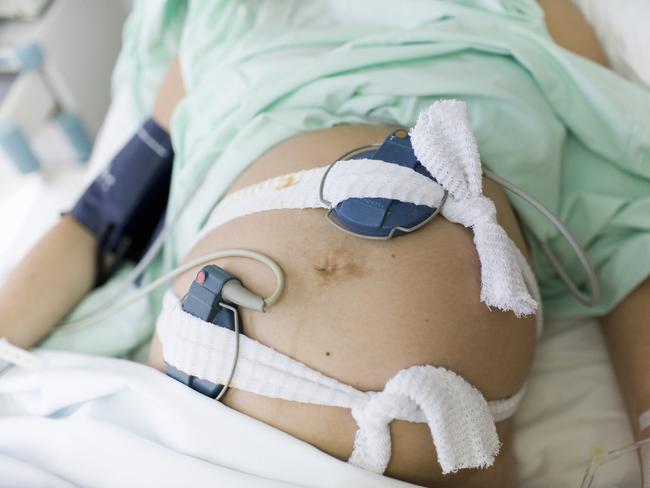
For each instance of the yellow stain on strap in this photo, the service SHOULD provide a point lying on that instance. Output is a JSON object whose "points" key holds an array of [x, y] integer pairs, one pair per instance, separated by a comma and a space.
{"points": [[278, 183], [286, 182], [597, 454]]}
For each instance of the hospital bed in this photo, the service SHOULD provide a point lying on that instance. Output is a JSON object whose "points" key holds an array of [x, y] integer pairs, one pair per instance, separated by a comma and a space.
{"points": [[572, 405]]}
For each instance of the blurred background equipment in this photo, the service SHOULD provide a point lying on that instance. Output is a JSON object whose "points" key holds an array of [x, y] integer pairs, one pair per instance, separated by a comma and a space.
{"points": [[56, 61], [21, 9], [56, 58]]}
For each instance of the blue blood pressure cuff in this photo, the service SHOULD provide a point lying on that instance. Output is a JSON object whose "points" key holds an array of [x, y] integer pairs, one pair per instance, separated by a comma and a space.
{"points": [[124, 206]]}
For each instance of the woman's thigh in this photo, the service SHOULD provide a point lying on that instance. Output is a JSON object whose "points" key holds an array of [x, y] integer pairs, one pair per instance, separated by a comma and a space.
{"points": [[360, 310]]}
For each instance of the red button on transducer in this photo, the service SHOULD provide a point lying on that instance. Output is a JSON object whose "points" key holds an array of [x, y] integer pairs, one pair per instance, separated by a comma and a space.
{"points": [[200, 278]]}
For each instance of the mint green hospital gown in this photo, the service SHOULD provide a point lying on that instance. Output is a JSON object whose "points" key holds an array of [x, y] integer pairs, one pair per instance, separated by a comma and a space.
{"points": [[570, 132]]}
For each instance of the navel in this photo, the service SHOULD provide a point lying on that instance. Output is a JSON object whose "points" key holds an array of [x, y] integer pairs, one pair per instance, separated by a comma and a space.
{"points": [[336, 266]]}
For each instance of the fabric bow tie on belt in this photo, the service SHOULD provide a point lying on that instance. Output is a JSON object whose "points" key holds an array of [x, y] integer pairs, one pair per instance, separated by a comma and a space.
{"points": [[444, 144]]}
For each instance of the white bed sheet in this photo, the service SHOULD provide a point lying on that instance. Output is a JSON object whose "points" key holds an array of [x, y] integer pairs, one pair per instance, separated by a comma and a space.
{"points": [[91, 421], [572, 406]]}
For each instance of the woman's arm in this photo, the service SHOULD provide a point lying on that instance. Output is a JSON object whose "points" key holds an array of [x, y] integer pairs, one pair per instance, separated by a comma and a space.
{"points": [[54, 276], [569, 29], [59, 270], [627, 327], [627, 330]]}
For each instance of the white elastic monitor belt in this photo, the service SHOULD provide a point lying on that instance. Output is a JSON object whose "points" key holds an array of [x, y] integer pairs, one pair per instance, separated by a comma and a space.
{"points": [[461, 421]]}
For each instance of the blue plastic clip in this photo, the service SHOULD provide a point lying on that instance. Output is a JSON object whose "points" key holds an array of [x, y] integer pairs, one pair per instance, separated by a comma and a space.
{"points": [[205, 302], [382, 218]]}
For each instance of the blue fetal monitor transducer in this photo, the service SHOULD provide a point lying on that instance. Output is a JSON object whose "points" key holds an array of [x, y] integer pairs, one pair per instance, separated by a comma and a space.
{"points": [[206, 302], [383, 218]]}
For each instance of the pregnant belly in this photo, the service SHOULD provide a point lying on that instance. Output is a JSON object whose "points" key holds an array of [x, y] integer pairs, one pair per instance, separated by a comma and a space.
{"points": [[359, 310]]}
